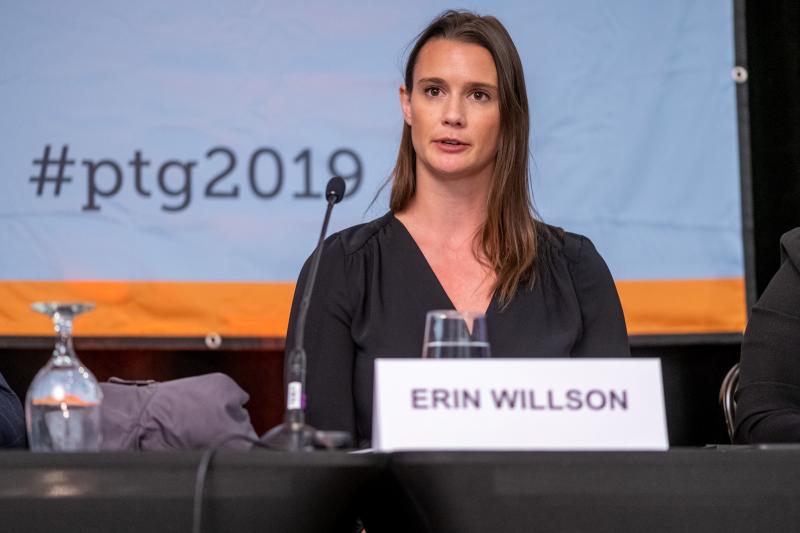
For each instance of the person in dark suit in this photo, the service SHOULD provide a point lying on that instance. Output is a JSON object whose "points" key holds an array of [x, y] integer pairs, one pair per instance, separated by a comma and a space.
{"points": [[768, 396], [461, 234], [12, 418]]}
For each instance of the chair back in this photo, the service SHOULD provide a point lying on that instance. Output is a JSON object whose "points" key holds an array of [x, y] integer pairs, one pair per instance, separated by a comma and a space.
{"points": [[727, 400]]}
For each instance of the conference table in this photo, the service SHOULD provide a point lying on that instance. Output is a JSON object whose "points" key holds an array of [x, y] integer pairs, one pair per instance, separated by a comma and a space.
{"points": [[153, 492], [722, 488]]}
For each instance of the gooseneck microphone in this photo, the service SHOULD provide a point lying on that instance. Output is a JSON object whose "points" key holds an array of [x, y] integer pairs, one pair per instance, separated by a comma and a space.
{"points": [[334, 194], [294, 434]]}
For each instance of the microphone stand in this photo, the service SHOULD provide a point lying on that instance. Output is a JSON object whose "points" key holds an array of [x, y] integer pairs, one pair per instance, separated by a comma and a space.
{"points": [[294, 434]]}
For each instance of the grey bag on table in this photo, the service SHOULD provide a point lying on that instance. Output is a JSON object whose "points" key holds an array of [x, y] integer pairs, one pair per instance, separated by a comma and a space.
{"points": [[183, 414]]}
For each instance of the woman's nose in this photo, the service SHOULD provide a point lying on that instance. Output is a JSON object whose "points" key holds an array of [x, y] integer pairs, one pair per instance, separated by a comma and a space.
{"points": [[453, 114]]}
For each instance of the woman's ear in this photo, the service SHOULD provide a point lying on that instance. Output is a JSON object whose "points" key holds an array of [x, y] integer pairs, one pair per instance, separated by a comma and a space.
{"points": [[405, 103]]}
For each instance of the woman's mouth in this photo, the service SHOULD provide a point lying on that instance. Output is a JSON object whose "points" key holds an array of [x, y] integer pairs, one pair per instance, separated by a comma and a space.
{"points": [[451, 145]]}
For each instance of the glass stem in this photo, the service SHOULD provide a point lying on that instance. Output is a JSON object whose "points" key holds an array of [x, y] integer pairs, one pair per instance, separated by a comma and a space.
{"points": [[64, 352]]}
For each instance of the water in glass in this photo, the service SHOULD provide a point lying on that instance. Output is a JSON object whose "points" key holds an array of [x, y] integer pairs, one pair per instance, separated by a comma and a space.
{"points": [[62, 407], [455, 334]]}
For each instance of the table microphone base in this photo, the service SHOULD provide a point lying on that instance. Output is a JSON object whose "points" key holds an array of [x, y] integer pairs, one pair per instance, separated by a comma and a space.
{"points": [[299, 437], [290, 437]]}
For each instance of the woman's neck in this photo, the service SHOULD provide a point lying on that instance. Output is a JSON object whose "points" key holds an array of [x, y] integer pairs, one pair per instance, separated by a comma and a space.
{"points": [[447, 211]]}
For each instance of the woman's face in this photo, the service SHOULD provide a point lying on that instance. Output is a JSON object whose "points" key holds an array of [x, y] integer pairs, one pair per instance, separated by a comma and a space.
{"points": [[453, 109]]}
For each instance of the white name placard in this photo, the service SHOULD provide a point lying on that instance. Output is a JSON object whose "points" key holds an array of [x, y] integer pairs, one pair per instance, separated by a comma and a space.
{"points": [[519, 404]]}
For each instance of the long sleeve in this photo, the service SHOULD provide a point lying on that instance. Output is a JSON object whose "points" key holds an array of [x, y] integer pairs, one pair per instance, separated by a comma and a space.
{"points": [[12, 419], [328, 341], [604, 331], [768, 396]]}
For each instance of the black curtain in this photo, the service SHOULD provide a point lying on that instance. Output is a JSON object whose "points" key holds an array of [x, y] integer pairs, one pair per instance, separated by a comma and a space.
{"points": [[773, 63]]}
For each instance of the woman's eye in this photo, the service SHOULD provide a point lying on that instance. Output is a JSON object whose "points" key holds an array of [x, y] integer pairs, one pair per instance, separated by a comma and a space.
{"points": [[480, 96], [433, 91]]}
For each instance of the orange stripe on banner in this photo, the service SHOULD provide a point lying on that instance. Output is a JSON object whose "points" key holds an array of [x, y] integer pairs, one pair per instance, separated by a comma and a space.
{"points": [[664, 307], [149, 308], [188, 309]]}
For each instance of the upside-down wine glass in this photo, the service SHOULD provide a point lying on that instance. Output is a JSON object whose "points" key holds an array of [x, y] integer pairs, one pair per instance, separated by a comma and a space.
{"points": [[62, 407]]}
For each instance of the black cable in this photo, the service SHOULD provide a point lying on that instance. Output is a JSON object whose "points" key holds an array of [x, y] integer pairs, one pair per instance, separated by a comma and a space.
{"points": [[202, 471], [326, 440]]}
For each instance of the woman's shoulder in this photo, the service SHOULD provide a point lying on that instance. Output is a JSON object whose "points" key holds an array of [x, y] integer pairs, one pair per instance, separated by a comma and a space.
{"points": [[356, 238], [574, 255], [343, 254], [570, 247]]}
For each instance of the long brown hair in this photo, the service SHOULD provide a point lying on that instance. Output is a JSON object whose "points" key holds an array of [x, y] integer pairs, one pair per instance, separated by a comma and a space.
{"points": [[511, 234]]}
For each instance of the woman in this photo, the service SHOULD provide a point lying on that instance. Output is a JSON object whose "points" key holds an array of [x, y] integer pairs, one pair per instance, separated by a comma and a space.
{"points": [[768, 396], [461, 234]]}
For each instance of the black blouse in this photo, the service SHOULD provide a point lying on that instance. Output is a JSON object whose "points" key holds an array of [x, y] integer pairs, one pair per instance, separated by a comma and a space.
{"points": [[374, 288], [768, 396]]}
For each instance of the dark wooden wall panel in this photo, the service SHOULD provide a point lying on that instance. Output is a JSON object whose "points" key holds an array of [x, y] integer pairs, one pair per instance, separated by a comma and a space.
{"points": [[692, 376], [259, 372]]}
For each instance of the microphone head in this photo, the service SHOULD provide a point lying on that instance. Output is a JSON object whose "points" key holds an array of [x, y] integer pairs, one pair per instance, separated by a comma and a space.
{"points": [[334, 191]]}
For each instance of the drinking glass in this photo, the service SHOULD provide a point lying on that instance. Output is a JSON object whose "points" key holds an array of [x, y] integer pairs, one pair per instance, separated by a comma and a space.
{"points": [[455, 334], [62, 407]]}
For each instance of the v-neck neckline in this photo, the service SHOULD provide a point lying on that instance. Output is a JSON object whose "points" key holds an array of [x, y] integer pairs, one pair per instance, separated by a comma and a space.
{"points": [[434, 279]]}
